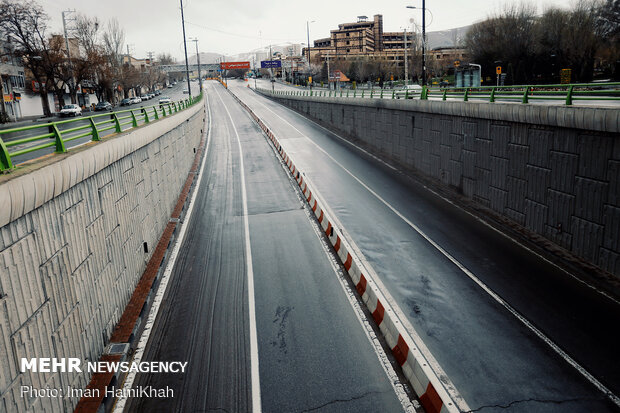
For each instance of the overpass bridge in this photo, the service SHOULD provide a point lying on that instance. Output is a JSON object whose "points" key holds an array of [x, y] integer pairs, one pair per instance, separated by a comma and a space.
{"points": [[204, 68], [318, 253]]}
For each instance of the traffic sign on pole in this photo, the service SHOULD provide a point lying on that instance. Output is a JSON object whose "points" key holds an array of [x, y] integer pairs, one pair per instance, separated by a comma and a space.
{"points": [[267, 64]]}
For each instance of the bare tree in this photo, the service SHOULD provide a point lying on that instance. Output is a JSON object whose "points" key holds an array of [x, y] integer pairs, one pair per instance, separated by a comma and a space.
{"points": [[165, 59], [87, 31], [113, 40], [26, 24]]}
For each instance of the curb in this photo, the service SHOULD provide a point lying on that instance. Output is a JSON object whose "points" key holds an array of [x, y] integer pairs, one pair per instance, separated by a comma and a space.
{"points": [[130, 320], [425, 383]]}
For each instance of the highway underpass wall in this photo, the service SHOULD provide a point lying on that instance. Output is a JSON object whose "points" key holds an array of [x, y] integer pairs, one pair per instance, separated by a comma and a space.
{"points": [[72, 248], [554, 170]]}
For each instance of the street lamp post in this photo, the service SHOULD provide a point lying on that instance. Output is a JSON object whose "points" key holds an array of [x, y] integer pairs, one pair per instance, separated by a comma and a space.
{"points": [[198, 61], [189, 88], [406, 63], [308, 34], [423, 40]]}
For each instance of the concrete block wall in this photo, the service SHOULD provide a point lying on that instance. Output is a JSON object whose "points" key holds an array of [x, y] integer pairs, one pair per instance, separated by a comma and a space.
{"points": [[71, 249], [554, 170]]}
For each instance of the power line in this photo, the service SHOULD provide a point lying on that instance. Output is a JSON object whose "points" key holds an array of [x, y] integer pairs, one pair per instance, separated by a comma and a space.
{"points": [[236, 34]]}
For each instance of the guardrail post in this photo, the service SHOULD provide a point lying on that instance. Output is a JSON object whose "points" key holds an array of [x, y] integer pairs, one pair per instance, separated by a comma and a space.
{"points": [[95, 132], [466, 95], [393, 93], [371, 91], [424, 94], [406, 93], [354, 92], [445, 92], [155, 113], [569, 95], [347, 93], [524, 99], [60, 144], [117, 124], [381, 95], [5, 158], [340, 92], [146, 115], [492, 98], [362, 94], [134, 121]]}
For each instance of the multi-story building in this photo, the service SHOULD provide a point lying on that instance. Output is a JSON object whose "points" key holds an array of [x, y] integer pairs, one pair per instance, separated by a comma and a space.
{"points": [[366, 39], [12, 84]]}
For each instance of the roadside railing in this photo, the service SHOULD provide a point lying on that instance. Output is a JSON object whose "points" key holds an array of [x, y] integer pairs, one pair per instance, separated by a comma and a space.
{"points": [[57, 134], [567, 93]]}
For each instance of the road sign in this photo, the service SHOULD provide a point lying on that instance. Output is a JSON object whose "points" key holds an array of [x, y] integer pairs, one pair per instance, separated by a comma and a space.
{"points": [[267, 64], [565, 75], [234, 65], [498, 70]]}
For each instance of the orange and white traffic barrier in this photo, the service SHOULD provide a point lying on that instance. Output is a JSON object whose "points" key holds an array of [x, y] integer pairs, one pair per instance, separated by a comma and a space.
{"points": [[432, 394]]}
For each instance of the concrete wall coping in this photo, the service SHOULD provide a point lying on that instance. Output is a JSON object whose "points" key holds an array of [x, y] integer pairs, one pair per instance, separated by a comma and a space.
{"points": [[574, 117], [27, 192]]}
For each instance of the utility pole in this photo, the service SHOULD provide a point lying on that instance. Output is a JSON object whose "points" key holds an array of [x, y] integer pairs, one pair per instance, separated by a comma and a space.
{"points": [[273, 81], [65, 18], [198, 61], [328, 76], [423, 42], [189, 87], [406, 63], [308, 33]]}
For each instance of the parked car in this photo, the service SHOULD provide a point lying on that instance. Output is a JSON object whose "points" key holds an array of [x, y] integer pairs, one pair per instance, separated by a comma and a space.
{"points": [[71, 110], [170, 86], [103, 106], [137, 99], [157, 92], [126, 102], [165, 99], [185, 91], [144, 98], [414, 87], [151, 95]]}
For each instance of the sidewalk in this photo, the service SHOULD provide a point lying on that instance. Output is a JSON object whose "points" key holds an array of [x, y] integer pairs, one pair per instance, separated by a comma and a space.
{"points": [[27, 121]]}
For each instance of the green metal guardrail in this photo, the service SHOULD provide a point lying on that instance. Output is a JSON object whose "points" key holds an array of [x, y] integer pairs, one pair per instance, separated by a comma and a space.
{"points": [[96, 124], [524, 93]]}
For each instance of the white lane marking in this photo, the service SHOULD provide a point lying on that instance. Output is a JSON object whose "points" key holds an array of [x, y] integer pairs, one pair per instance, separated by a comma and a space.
{"points": [[256, 402], [161, 291], [393, 378], [471, 275]]}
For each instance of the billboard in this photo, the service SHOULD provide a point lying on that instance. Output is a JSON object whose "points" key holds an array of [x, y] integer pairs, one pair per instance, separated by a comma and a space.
{"points": [[266, 64], [234, 65]]}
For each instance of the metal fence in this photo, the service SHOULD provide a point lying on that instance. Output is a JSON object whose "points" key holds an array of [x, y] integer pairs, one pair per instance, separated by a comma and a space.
{"points": [[568, 94], [20, 141]]}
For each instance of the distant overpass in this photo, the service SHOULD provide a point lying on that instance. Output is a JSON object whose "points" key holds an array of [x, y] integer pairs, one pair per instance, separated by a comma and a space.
{"points": [[208, 67]]}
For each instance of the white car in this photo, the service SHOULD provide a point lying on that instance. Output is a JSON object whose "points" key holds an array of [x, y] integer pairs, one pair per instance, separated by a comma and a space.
{"points": [[137, 99], [71, 110], [164, 99]]}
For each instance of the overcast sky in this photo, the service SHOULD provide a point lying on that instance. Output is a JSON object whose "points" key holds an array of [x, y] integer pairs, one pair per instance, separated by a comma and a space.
{"points": [[236, 26]]}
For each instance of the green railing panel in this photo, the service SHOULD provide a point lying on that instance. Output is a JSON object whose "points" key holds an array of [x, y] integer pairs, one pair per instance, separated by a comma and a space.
{"points": [[94, 126]]}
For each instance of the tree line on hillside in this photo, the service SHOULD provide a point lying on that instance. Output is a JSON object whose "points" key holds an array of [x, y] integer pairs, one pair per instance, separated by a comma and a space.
{"points": [[97, 63], [534, 49]]}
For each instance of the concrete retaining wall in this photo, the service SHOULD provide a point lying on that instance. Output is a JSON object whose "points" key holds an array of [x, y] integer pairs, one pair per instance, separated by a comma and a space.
{"points": [[72, 248], [554, 170]]}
